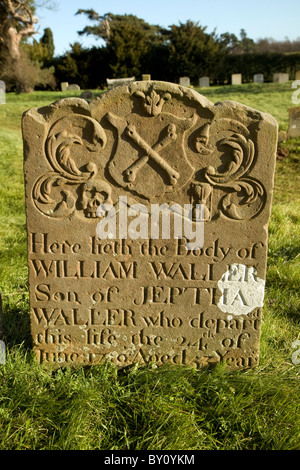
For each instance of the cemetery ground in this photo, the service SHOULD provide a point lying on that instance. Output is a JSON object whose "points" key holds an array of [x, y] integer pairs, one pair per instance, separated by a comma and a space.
{"points": [[150, 408]]}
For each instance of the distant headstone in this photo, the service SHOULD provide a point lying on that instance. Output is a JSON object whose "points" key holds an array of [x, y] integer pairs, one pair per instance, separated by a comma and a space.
{"points": [[297, 76], [73, 87], [2, 92], [294, 122], [236, 79], [146, 76], [115, 82], [184, 81], [258, 78], [146, 219], [281, 77], [64, 86], [204, 82], [87, 95]]}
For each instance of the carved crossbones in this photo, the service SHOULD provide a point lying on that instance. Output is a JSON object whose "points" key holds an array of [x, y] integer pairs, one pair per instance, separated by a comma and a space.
{"points": [[149, 152]]}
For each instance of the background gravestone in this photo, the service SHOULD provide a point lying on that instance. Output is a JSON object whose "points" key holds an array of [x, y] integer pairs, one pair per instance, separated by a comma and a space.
{"points": [[146, 300], [258, 78], [184, 81], [2, 92], [73, 87], [297, 75], [146, 76], [236, 79], [203, 82], [64, 86], [281, 77], [294, 122]]}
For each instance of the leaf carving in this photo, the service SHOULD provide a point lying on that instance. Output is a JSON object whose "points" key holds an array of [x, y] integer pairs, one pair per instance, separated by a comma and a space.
{"points": [[245, 196], [55, 193], [242, 152]]}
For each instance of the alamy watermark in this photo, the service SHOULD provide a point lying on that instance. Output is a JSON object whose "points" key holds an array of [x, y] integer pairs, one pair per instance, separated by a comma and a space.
{"points": [[296, 354], [295, 98], [162, 221]]}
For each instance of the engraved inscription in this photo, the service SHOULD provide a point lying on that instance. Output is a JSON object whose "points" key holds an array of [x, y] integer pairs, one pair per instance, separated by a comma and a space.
{"points": [[129, 298]]}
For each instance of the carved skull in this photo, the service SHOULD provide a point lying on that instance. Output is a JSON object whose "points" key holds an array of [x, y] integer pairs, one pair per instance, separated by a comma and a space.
{"points": [[94, 193]]}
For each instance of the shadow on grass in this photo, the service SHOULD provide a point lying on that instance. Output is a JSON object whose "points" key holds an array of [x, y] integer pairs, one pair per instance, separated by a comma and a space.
{"points": [[16, 321]]}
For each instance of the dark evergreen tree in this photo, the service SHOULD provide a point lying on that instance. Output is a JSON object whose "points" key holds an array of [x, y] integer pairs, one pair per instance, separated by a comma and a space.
{"points": [[48, 43]]}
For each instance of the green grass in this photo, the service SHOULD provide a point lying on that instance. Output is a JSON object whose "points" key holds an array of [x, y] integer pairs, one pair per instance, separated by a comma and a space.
{"points": [[152, 408], [271, 98]]}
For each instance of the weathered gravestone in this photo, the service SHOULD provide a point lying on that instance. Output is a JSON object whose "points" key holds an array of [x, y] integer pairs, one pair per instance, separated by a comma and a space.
{"points": [[146, 76], [281, 77], [294, 122], [73, 87], [114, 82], [64, 86], [236, 79], [258, 78], [110, 280], [203, 82], [297, 75], [184, 81], [2, 92]]}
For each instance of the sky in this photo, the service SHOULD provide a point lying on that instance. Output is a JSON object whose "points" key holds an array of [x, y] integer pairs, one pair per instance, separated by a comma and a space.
{"points": [[277, 19]]}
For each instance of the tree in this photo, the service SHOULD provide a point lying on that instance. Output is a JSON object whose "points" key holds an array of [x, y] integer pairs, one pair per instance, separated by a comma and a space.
{"points": [[102, 29], [229, 43], [269, 45], [17, 21], [234, 46], [17, 24], [248, 46], [128, 40], [85, 66], [192, 51], [41, 51], [48, 43]]}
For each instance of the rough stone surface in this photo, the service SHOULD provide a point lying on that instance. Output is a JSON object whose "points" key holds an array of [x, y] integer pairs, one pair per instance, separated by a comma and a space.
{"points": [[147, 300], [236, 79], [281, 77], [294, 122], [185, 81], [258, 78], [204, 82]]}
